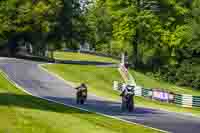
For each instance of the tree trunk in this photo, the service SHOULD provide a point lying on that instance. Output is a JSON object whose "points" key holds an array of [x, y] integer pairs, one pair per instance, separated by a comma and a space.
{"points": [[52, 56], [135, 52], [136, 41]]}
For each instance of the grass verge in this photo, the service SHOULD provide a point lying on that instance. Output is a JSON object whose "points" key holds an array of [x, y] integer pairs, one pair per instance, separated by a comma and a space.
{"points": [[22, 113], [82, 57]]}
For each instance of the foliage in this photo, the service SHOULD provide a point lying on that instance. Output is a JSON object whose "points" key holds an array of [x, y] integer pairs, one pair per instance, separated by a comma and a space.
{"points": [[99, 26], [40, 22], [157, 34]]}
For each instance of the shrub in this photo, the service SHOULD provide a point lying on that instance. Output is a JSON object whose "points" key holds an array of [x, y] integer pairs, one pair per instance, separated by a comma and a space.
{"points": [[185, 74]]}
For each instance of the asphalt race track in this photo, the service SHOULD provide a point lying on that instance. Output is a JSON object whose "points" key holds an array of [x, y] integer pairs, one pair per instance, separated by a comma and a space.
{"points": [[39, 83]]}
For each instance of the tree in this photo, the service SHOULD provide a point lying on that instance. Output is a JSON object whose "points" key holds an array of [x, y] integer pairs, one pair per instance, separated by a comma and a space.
{"points": [[99, 25], [195, 23], [27, 19]]}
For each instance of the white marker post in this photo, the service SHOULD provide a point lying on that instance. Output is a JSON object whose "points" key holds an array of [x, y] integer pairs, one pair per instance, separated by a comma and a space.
{"points": [[123, 59]]}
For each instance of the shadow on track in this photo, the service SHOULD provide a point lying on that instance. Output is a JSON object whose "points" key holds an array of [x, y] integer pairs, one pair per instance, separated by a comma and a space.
{"points": [[105, 107], [30, 102]]}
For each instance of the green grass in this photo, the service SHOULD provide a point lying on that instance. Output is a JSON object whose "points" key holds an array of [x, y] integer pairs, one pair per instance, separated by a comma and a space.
{"points": [[150, 82], [22, 113], [99, 79], [100, 82], [82, 57]]}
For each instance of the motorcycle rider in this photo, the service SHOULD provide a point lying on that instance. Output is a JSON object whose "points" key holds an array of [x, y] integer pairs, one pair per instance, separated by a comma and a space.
{"points": [[81, 93], [127, 95]]}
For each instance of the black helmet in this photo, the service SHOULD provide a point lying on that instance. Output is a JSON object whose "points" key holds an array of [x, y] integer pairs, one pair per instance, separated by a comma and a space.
{"points": [[83, 85]]}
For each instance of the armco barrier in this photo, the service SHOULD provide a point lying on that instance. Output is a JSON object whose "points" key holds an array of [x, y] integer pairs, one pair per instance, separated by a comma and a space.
{"points": [[138, 91], [145, 92], [196, 101], [178, 99], [187, 100]]}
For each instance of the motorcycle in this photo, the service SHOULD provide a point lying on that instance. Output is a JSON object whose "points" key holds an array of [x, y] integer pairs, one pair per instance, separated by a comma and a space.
{"points": [[127, 103], [81, 97], [127, 98]]}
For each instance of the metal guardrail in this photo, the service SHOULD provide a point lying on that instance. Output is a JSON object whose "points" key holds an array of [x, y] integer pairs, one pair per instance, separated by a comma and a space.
{"points": [[196, 101]]}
